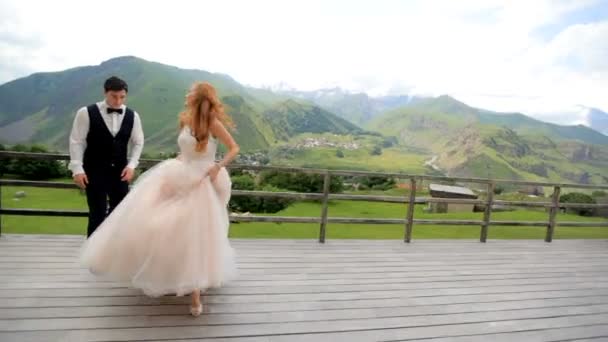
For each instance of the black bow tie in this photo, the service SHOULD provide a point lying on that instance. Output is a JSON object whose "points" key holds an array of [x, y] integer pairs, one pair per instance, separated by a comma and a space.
{"points": [[114, 110]]}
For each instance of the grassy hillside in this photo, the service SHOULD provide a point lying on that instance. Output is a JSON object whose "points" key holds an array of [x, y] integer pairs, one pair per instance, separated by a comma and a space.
{"points": [[470, 142]]}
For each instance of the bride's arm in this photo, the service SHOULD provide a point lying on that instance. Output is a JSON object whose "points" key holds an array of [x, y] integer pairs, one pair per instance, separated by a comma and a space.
{"points": [[219, 131]]}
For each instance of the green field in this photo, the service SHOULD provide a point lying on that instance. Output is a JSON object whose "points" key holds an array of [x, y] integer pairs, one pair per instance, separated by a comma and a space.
{"points": [[73, 200]]}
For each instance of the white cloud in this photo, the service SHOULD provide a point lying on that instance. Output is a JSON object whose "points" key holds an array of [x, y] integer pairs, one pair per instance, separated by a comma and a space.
{"points": [[484, 52]]}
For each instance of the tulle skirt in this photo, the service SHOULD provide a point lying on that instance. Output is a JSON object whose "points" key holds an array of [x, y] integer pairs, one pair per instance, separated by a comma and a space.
{"points": [[169, 235]]}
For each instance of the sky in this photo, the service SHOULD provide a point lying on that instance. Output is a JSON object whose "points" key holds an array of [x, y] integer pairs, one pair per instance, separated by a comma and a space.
{"points": [[544, 58]]}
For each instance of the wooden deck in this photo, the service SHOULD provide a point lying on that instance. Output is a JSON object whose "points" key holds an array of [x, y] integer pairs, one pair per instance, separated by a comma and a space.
{"points": [[300, 290]]}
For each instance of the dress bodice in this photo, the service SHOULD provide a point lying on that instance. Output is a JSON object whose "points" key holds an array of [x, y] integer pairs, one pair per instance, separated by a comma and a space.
{"points": [[187, 147]]}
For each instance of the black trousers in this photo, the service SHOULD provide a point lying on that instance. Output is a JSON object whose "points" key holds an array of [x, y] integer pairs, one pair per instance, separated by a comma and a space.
{"points": [[105, 187]]}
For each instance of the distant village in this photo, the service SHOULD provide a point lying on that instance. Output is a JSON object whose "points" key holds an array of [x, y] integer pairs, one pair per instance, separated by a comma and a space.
{"points": [[324, 142]]}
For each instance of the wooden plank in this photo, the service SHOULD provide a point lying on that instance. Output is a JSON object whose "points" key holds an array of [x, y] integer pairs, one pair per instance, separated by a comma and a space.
{"points": [[335, 316], [281, 257], [582, 224], [300, 294], [518, 223], [437, 243], [399, 264], [38, 184], [343, 253], [382, 328], [278, 194], [527, 204], [426, 332], [254, 257], [294, 290], [412, 256], [305, 243], [350, 286], [415, 251], [265, 313], [319, 285], [570, 334], [245, 306], [415, 256], [332, 274], [86, 280], [44, 212], [313, 273], [34, 155], [583, 205], [368, 198], [41, 236], [345, 277], [301, 260]]}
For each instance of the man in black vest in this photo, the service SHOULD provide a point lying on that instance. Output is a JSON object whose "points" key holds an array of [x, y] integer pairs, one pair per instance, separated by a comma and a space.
{"points": [[101, 135]]}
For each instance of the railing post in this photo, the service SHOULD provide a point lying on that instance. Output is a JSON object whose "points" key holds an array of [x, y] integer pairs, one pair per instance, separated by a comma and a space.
{"points": [[410, 211], [552, 214], [487, 212], [326, 182]]}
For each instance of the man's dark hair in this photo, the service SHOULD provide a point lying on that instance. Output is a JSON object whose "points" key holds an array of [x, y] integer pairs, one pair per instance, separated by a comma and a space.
{"points": [[115, 84]]}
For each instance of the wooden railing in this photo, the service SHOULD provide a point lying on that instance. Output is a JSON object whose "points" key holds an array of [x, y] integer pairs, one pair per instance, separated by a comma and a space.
{"points": [[411, 200]]}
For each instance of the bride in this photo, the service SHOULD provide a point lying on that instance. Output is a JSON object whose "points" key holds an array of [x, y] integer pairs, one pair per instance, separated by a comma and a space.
{"points": [[170, 234]]}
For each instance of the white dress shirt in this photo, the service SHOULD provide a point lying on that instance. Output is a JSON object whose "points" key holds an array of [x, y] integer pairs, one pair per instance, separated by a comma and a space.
{"points": [[80, 130]]}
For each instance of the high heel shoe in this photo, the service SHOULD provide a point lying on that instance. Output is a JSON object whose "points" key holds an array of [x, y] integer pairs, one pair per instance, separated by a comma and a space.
{"points": [[196, 310]]}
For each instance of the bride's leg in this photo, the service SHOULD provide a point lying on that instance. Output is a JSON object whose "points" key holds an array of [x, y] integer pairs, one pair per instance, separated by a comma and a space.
{"points": [[196, 308]]}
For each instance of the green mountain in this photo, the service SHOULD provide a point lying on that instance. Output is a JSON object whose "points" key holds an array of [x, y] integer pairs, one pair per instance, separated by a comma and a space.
{"points": [[292, 117], [519, 122], [311, 129], [40, 108], [358, 108], [470, 142]]}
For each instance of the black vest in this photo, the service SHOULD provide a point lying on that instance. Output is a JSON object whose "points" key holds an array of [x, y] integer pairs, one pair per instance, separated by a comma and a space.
{"points": [[104, 150]]}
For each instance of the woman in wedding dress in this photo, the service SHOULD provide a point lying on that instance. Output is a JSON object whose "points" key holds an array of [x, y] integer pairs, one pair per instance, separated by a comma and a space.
{"points": [[170, 234]]}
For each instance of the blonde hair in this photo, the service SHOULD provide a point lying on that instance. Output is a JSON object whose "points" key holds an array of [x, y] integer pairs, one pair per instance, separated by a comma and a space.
{"points": [[200, 118]]}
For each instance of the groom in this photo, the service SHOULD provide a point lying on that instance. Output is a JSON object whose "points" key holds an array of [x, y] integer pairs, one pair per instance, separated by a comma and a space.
{"points": [[101, 135]]}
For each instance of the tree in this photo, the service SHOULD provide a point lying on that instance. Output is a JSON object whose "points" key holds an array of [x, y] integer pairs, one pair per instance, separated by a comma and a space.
{"points": [[339, 154], [376, 151], [243, 203], [377, 182], [36, 169], [389, 142], [498, 190], [273, 205], [300, 182], [255, 204], [578, 197], [4, 162]]}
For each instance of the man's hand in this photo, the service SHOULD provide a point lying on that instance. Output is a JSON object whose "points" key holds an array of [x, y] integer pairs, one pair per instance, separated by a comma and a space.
{"points": [[81, 180], [127, 174]]}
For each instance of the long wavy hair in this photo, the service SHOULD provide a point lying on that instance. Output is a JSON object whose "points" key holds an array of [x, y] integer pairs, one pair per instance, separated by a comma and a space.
{"points": [[202, 107]]}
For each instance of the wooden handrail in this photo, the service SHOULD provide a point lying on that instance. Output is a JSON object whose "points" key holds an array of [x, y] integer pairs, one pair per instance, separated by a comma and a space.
{"points": [[326, 196]]}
